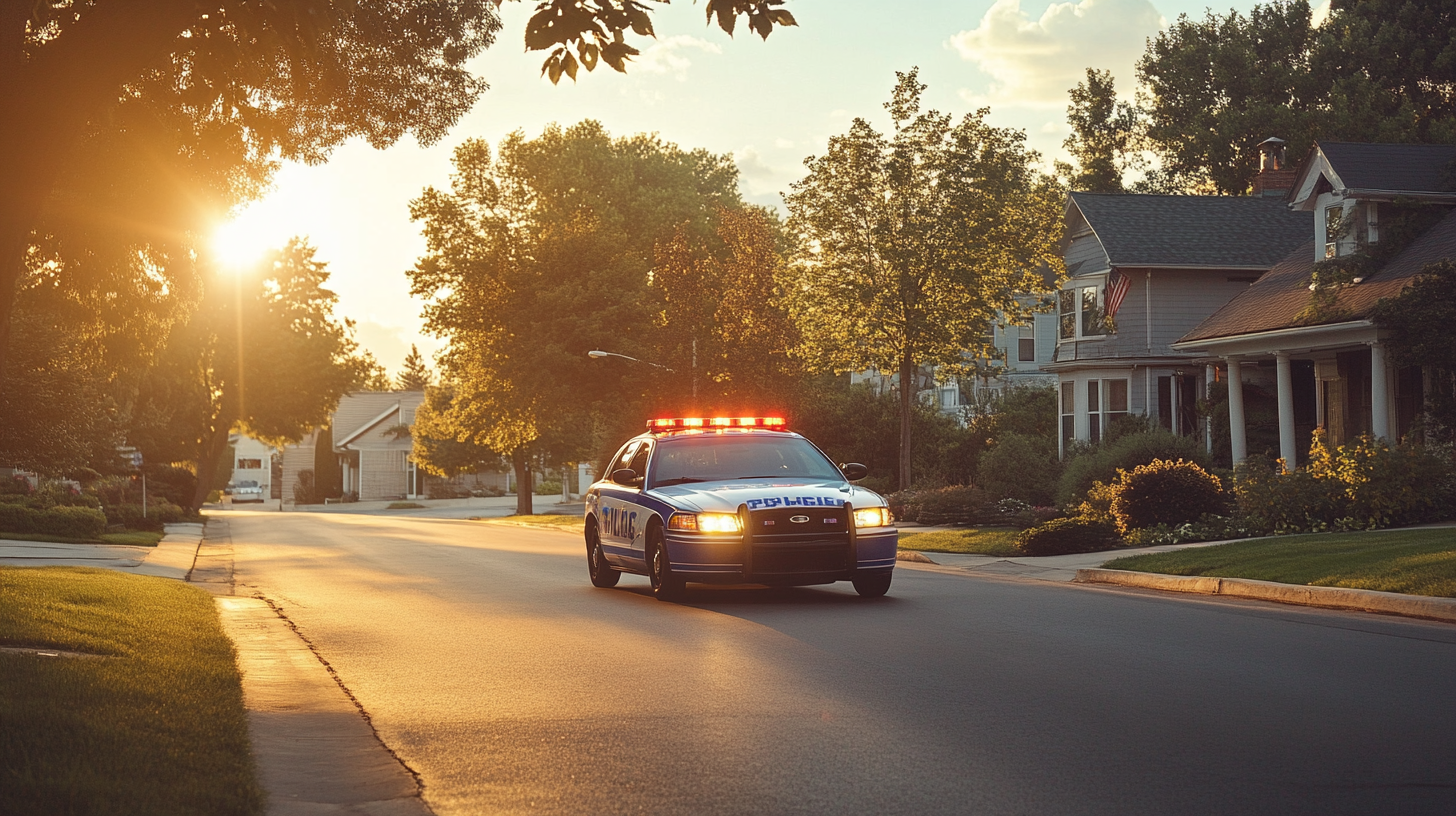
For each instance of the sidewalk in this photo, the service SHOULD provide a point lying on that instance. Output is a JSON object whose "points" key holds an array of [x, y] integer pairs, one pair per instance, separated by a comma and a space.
{"points": [[172, 558]]}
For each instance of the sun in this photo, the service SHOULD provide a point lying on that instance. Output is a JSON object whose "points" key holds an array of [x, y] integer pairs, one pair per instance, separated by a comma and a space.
{"points": [[239, 243]]}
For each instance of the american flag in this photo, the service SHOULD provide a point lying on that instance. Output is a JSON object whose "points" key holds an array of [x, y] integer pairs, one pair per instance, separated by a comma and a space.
{"points": [[1117, 286]]}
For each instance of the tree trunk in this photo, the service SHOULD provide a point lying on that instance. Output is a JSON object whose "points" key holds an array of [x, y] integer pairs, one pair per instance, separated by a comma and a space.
{"points": [[907, 404], [210, 457], [524, 488]]}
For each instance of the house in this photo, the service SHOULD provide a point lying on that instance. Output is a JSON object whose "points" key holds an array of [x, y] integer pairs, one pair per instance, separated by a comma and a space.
{"points": [[372, 440], [1324, 352], [1143, 271], [252, 462]]}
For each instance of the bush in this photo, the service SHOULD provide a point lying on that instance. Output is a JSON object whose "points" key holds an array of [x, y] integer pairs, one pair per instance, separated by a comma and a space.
{"points": [[69, 522], [304, 489], [1067, 536], [1101, 464], [1364, 485], [1208, 528], [15, 485], [158, 514], [547, 488], [173, 485], [1016, 467], [1164, 492], [958, 504]]}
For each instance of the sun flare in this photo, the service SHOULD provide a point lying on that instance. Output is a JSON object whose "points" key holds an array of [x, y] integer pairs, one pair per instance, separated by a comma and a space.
{"points": [[238, 244]]}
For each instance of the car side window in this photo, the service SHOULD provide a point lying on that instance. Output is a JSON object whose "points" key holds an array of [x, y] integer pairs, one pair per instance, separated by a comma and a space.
{"points": [[624, 457], [639, 460]]}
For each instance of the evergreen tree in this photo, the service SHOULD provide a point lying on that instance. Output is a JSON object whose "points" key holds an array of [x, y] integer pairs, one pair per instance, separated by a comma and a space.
{"points": [[415, 375]]}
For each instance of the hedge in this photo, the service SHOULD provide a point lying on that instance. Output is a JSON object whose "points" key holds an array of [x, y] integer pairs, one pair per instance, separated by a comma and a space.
{"points": [[1067, 536], [67, 522]]}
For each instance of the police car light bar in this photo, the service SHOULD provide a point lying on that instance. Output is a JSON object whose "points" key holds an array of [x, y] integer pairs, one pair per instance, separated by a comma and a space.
{"points": [[778, 423]]}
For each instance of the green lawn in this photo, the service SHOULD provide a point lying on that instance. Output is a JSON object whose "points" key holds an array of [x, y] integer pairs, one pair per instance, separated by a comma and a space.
{"points": [[1415, 562], [130, 538], [973, 540], [152, 725]]}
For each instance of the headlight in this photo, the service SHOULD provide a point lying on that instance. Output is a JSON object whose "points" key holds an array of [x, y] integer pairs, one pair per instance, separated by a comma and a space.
{"points": [[872, 517], [705, 522]]}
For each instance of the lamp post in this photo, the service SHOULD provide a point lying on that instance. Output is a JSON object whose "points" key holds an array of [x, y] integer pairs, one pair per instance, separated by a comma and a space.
{"points": [[597, 354]]}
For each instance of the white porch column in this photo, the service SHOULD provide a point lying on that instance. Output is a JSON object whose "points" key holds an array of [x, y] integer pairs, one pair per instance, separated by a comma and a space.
{"points": [[1208, 377], [1379, 393], [1173, 424], [1236, 410], [1287, 451]]}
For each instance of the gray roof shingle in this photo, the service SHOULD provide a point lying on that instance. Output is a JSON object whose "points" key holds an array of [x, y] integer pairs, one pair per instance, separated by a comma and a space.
{"points": [[1216, 232], [1411, 168]]}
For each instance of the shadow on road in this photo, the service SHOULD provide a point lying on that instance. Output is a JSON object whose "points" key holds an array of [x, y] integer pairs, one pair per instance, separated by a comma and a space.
{"points": [[722, 597]]}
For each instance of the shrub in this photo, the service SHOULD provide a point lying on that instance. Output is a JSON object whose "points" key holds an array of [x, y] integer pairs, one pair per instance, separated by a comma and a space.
{"points": [[15, 484], [158, 514], [1125, 453], [957, 504], [69, 522], [547, 488], [1164, 492], [1016, 467], [1098, 503], [173, 485], [304, 489], [1066, 536], [1208, 528]]}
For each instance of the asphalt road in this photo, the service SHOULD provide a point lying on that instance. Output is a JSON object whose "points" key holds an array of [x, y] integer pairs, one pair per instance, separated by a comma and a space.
{"points": [[493, 668]]}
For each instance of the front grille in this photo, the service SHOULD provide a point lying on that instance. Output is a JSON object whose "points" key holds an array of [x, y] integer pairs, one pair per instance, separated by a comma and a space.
{"points": [[817, 543], [789, 561]]}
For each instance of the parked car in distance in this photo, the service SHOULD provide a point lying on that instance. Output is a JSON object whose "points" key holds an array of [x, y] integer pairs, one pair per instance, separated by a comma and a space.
{"points": [[247, 491]]}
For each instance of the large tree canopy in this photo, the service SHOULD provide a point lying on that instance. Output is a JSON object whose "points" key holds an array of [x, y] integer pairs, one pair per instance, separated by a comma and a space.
{"points": [[553, 247], [1375, 70], [910, 246]]}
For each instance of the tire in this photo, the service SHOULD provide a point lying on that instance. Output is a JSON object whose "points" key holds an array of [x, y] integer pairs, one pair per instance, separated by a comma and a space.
{"points": [[602, 574], [873, 586], [665, 585]]}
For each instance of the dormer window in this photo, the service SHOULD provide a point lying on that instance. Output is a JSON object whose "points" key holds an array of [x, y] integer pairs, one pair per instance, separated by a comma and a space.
{"points": [[1334, 222]]}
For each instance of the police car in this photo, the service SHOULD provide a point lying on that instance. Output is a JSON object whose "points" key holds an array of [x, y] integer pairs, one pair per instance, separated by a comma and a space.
{"points": [[737, 500]]}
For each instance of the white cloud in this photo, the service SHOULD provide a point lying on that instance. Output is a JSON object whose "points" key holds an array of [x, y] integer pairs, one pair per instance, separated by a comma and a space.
{"points": [[783, 143], [751, 165], [1320, 13], [668, 56], [1033, 62]]}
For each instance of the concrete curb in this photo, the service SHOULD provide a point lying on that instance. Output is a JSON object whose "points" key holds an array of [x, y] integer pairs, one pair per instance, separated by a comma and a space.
{"points": [[1360, 600], [174, 554]]}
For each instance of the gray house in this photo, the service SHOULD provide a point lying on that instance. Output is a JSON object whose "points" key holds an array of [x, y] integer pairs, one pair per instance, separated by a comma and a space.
{"points": [[1328, 368], [1143, 271]]}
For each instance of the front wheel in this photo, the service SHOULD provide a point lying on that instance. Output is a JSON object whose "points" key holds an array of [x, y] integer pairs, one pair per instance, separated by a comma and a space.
{"points": [[872, 586], [665, 585], [602, 574]]}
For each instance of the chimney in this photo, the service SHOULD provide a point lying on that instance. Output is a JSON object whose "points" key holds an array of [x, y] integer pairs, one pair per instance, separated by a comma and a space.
{"points": [[1274, 178]]}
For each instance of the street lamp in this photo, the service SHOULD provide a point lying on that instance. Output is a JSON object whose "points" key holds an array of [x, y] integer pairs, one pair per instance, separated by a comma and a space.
{"points": [[598, 354]]}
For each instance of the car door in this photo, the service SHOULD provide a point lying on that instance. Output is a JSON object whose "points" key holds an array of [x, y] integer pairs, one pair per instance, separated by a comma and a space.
{"points": [[621, 516]]}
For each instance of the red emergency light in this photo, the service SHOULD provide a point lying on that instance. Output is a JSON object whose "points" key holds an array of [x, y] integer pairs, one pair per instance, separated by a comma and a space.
{"points": [[684, 423]]}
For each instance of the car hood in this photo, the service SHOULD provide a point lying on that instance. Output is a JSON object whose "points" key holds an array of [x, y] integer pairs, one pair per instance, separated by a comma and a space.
{"points": [[762, 494]]}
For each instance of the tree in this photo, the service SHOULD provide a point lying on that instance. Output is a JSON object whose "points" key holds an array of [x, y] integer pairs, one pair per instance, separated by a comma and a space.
{"points": [[415, 375], [542, 253], [263, 354], [1104, 134], [1217, 87], [1418, 324], [910, 246], [134, 125], [1374, 71]]}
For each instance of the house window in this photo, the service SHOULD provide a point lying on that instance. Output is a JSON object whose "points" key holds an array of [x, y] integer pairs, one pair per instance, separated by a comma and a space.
{"points": [[1106, 402], [1026, 343], [1069, 413], [1080, 313], [1333, 218], [1094, 412], [1115, 393], [250, 464]]}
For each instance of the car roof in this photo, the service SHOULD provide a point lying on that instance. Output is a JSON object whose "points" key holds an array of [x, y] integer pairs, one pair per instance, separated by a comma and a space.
{"points": [[736, 433]]}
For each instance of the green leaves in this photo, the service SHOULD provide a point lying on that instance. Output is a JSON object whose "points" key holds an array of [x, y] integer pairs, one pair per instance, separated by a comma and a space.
{"points": [[581, 32]]}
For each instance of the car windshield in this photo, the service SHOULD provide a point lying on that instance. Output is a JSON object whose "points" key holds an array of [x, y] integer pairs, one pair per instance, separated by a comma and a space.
{"points": [[712, 458]]}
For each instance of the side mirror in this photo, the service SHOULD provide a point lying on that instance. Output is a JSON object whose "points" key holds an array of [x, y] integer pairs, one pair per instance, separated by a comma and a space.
{"points": [[854, 471], [626, 477]]}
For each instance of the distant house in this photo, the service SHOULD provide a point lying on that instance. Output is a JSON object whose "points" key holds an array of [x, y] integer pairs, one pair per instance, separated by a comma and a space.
{"points": [[372, 440], [252, 462], [1144, 271], [1328, 364]]}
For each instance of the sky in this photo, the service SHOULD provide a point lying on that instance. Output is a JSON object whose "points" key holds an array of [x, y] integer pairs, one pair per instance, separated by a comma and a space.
{"points": [[769, 103]]}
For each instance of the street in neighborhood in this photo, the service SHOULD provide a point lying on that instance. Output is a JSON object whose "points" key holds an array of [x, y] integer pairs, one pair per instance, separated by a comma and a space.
{"points": [[491, 667]]}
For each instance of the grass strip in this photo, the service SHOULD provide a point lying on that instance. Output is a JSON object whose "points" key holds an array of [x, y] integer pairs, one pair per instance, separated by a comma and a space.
{"points": [[130, 538], [154, 727], [1414, 562], [405, 505], [575, 524], [1000, 541]]}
